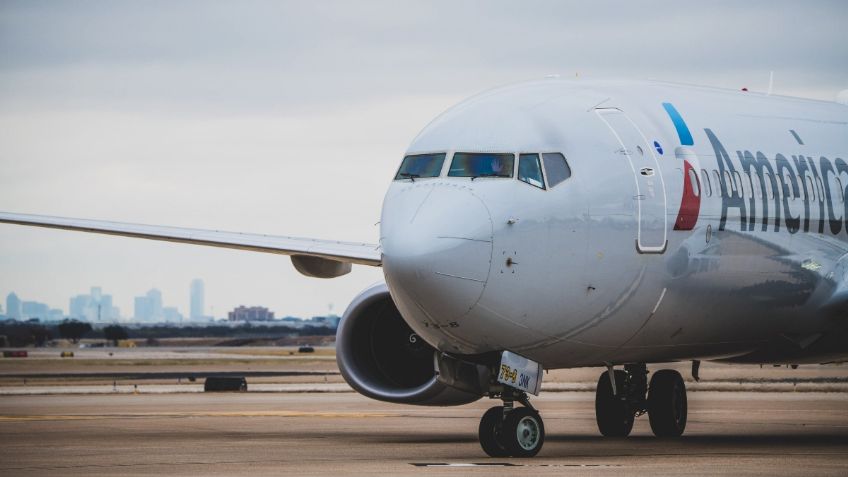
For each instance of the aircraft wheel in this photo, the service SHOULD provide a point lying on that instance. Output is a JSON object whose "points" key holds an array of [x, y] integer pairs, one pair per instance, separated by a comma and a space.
{"points": [[523, 432], [613, 414], [491, 426], [667, 404]]}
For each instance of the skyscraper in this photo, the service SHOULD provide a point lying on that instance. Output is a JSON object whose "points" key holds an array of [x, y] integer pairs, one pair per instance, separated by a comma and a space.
{"points": [[78, 305], [94, 307], [142, 309], [149, 306], [34, 309], [13, 306], [155, 298], [197, 296]]}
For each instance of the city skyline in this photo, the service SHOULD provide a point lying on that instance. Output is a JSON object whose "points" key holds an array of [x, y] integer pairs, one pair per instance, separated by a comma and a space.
{"points": [[96, 306]]}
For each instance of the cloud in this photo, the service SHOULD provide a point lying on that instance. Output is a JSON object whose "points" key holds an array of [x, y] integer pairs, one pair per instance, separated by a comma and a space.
{"points": [[274, 56]]}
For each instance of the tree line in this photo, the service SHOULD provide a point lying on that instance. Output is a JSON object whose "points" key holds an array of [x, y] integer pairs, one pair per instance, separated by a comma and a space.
{"points": [[18, 334]]}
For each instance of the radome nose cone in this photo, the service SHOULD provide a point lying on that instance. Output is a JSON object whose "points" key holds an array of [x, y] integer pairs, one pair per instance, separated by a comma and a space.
{"points": [[437, 249]]}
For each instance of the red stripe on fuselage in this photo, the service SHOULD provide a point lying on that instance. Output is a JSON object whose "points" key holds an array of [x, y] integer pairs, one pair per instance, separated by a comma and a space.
{"points": [[690, 203]]}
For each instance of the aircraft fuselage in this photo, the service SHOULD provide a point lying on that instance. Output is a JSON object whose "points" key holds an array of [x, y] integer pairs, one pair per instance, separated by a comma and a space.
{"points": [[696, 224]]}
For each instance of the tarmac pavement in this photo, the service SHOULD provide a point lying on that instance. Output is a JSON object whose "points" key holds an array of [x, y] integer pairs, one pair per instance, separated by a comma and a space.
{"points": [[778, 433]]}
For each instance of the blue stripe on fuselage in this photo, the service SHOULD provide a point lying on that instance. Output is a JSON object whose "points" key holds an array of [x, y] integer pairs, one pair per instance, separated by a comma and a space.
{"points": [[679, 124]]}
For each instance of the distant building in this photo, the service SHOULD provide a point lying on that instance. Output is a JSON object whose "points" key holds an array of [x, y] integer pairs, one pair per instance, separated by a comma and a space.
{"points": [[155, 297], [197, 297], [254, 313], [34, 309], [95, 307], [149, 307], [78, 305], [141, 309], [172, 315], [13, 307]]}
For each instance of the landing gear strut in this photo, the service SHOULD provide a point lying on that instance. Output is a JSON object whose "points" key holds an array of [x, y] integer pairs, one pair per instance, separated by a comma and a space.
{"points": [[509, 431], [623, 395]]}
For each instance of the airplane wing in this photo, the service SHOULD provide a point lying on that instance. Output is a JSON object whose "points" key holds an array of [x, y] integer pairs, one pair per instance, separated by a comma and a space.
{"points": [[311, 257]]}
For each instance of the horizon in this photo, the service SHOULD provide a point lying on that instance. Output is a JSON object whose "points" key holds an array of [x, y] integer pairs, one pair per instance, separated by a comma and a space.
{"points": [[124, 318]]}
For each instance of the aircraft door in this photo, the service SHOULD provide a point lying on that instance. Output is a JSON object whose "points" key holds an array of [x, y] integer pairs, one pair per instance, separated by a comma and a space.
{"points": [[650, 188]]}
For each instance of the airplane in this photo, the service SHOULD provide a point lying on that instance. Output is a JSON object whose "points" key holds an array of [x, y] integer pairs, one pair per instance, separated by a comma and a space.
{"points": [[572, 223]]}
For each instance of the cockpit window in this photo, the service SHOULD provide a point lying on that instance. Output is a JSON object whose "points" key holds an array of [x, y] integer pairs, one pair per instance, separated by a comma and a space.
{"points": [[530, 170], [421, 165], [475, 165], [556, 168]]}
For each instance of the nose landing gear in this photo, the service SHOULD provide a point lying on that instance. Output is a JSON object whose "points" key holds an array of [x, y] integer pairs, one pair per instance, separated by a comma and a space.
{"points": [[618, 404], [508, 431]]}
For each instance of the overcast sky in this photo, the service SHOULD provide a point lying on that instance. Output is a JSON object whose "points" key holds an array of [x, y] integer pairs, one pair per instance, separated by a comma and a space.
{"points": [[290, 118]]}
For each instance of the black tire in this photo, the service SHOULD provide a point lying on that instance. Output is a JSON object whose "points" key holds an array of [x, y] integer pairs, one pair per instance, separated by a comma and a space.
{"points": [[491, 425], [523, 432], [613, 415], [667, 404]]}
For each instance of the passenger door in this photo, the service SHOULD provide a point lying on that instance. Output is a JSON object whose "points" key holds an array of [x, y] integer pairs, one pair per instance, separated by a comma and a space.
{"points": [[650, 188]]}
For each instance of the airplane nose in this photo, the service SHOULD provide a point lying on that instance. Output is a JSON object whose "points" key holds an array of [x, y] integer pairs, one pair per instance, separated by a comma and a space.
{"points": [[437, 249]]}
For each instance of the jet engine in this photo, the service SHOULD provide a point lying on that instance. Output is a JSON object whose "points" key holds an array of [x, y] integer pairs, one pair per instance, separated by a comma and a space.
{"points": [[381, 357]]}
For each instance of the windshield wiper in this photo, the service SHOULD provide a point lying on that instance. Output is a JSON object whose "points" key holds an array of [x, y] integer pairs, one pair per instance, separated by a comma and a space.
{"points": [[409, 176], [489, 175]]}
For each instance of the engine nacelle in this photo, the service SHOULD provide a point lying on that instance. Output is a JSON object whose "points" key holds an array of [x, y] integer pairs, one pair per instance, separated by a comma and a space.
{"points": [[381, 357]]}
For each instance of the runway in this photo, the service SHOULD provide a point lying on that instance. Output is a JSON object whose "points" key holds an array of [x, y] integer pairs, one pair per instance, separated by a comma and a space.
{"points": [[323, 434]]}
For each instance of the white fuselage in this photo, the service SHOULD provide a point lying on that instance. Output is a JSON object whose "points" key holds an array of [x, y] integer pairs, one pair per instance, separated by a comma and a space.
{"points": [[619, 263]]}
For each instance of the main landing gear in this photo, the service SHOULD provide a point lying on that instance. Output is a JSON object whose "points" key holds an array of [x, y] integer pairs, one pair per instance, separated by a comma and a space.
{"points": [[512, 431], [623, 395]]}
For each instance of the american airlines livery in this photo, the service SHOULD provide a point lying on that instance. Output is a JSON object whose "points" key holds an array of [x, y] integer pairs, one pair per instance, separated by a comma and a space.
{"points": [[558, 224]]}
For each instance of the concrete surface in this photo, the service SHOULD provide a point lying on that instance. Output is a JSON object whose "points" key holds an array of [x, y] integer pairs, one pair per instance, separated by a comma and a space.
{"points": [[343, 433], [337, 387], [45, 369]]}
